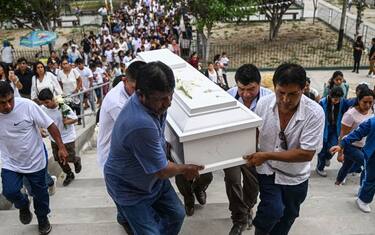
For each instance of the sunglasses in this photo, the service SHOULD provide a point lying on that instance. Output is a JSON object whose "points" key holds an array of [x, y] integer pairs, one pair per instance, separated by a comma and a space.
{"points": [[283, 143]]}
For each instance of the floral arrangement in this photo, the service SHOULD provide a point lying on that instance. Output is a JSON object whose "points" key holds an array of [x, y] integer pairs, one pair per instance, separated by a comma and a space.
{"points": [[184, 87], [63, 107]]}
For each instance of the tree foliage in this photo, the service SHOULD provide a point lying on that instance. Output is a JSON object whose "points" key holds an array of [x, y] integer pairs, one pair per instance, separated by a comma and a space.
{"points": [[207, 13], [39, 13], [274, 11]]}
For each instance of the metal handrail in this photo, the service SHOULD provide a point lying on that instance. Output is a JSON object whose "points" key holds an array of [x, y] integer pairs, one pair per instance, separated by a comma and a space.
{"points": [[81, 97]]}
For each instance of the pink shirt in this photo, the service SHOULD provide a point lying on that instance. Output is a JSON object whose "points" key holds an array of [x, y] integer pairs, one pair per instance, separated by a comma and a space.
{"points": [[352, 118]]}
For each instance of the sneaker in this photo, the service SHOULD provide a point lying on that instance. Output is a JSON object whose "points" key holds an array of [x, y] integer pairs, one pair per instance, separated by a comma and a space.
{"points": [[52, 188], [369, 75], [25, 214], [328, 162], [237, 229], [365, 207], [68, 179], [78, 166], [321, 173], [44, 227], [343, 181]]}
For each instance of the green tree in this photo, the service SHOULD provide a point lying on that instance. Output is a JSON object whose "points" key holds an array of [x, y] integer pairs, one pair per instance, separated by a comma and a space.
{"points": [[274, 11], [209, 12], [40, 13]]}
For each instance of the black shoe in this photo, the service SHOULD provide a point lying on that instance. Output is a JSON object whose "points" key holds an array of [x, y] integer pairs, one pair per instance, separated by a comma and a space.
{"points": [[201, 196], [78, 166], [259, 232], [25, 214], [127, 228], [68, 179], [189, 207], [44, 227], [353, 71], [237, 229]]}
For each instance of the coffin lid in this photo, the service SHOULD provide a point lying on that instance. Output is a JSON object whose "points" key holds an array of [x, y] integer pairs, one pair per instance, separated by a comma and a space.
{"points": [[200, 108]]}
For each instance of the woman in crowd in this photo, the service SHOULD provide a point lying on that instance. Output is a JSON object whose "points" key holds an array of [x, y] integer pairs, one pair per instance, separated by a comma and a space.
{"points": [[358, 47], [71, 83], [334, 106], [211, 73], [43, 79], [362, 111], [194, 60], [367, 189], [337, 80], [9, 76]]}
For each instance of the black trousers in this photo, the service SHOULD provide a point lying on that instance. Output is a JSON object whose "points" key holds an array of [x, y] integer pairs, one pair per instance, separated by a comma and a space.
{"points": [[187, 187], [76, 108], [357, 60], [243, 195], [279, 205]]}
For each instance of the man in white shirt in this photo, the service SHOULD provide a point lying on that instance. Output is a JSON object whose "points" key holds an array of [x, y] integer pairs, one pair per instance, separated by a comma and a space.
{"points": [[23, 155], [242, 198], [112, 105], [289, 137]]}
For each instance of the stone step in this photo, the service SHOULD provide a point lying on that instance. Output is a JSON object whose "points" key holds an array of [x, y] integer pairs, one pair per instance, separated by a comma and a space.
{"points": [[84, 207], [307, 226]]}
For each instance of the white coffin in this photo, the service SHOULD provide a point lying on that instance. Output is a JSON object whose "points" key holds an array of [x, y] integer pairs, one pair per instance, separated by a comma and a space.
{"points": [[205, 125]]}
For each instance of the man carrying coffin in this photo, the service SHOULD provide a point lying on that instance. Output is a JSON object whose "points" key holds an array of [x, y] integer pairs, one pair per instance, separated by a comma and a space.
{"points": [[243, 198], [290, 135], [137, 169]]}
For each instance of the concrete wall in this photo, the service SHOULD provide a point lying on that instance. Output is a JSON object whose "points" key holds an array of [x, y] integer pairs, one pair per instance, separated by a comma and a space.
{"points": [[83, 136]]}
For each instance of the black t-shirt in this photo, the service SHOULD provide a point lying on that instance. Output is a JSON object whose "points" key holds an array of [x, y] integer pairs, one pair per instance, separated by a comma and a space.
{"points": [[86, 45], [26, 80]]}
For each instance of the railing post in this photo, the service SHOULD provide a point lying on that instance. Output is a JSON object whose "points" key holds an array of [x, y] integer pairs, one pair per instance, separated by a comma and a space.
{"points": [[82, 110]]}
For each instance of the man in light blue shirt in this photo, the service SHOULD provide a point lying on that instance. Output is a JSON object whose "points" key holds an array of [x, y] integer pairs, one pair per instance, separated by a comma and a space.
{"points": [[242, 198], [137, 169]]}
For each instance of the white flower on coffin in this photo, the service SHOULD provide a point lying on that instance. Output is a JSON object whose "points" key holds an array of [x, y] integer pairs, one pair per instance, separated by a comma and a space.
{"points": [[186, 87]]}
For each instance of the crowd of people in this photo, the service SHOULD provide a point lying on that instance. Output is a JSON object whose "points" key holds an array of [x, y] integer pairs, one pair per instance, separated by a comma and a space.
{"points": [[39, 101]]}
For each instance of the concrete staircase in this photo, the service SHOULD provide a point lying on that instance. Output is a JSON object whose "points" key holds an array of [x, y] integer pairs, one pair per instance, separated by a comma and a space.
{"points": [[84, 207]]}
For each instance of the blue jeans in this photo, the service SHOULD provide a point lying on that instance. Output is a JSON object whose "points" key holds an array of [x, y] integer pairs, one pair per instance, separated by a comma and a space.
{"points": [[161, 215], [325, 154], [352, 156], [49, 179], [367, 190], [12, 184], [279, 205]]}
